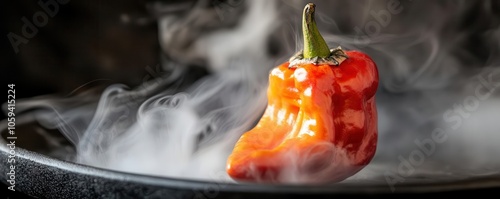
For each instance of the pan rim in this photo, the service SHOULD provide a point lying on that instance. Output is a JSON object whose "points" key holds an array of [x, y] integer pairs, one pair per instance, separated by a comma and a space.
{"points": [[476, 182]]}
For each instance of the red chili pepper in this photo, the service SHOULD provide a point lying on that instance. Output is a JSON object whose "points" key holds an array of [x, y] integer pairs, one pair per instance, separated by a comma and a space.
{"points": [[320, 124]]}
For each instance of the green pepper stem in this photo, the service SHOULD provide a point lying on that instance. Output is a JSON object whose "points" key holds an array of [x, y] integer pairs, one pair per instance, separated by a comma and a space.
{"points": [[314, 44]]}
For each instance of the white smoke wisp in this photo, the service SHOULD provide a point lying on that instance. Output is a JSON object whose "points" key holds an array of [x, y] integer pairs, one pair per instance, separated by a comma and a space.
{"points": [[173, 134], [187, 134]]}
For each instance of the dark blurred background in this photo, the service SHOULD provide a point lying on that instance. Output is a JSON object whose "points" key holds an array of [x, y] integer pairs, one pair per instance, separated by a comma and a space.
{"points": [[89, 43], [85, 43]]}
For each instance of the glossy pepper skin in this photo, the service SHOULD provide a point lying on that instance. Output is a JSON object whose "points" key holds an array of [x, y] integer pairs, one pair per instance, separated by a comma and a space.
{"points": [[320, 124]]}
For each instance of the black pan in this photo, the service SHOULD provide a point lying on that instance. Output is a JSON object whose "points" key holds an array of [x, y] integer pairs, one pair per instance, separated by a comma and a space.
{"points": [[44, 176]]}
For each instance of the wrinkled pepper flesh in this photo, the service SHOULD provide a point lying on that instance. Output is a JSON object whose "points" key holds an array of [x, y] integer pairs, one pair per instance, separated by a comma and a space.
{"points": [[320, 124]]}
